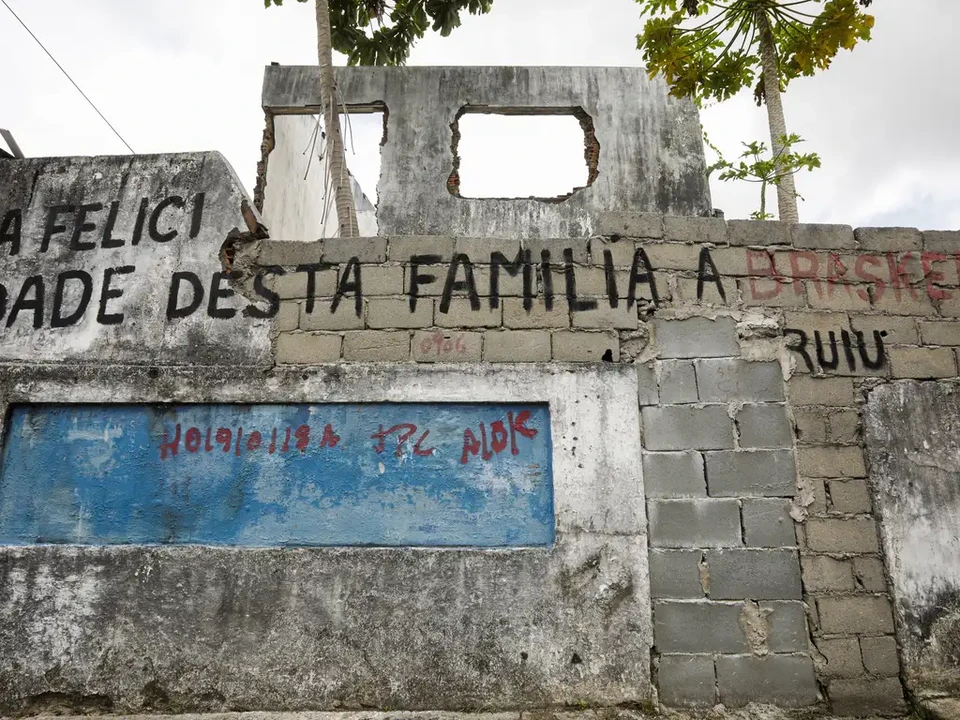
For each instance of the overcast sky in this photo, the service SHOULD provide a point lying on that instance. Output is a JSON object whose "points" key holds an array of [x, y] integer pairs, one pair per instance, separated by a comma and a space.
{"points": [[185, 75]]}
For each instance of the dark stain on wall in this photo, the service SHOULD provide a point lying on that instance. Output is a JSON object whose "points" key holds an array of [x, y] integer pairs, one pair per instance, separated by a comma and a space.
{"points": [[913, 442]]}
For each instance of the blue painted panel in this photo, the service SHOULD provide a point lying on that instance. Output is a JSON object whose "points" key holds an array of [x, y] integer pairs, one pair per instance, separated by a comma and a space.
{"points": [[262, 475]]}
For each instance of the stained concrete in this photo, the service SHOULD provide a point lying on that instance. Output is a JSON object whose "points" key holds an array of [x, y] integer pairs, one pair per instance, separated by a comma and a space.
{"points": [[208, 629], [754, 711], [650, 147], [172, 214], [913, 442], [940, 708]]}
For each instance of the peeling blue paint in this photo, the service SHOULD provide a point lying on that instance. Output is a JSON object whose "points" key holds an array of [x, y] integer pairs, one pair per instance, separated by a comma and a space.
{"points": [[393, 474]]}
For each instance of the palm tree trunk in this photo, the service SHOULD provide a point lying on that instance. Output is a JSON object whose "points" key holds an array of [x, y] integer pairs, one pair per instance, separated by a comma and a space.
{"points": [[340, 177], [786, 188]]}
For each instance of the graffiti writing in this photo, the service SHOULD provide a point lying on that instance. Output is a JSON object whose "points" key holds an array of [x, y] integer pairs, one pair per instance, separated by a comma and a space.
{"points": [[71, 295], [403, 432], [226, 439], [441, 345], [500, 432], [396, 438], [261, 475], [64, 300], [869, 277], [828, 353], [78, 228]]}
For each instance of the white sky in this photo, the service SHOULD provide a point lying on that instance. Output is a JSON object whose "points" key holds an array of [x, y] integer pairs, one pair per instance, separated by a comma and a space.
{"points": [[185, 75]]}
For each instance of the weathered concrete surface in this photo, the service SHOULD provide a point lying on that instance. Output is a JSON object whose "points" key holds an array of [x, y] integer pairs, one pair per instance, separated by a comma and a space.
{"points": [[754, 711], [940, 708], [650, 155], [124, 225], [312, 715], [200, 628], [913, 442]]}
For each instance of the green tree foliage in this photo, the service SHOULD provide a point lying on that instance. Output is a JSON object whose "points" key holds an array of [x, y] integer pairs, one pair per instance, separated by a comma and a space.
{"points": [[720, 54], [753, 165], [375, 32], [713, 49]]}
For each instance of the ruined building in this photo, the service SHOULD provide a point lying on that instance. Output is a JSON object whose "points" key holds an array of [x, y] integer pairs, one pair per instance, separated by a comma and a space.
{"points": [[597, 451]]}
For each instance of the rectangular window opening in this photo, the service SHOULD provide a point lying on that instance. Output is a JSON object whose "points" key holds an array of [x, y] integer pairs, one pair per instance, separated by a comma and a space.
{"points": [[364, 135], [295, 205], [512, 153]]}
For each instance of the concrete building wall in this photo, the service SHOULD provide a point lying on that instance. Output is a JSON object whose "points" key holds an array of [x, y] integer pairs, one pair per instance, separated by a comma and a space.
{"points": [[761, 344], [643, 148], [201, 627], [715, 512], [156, 550]]}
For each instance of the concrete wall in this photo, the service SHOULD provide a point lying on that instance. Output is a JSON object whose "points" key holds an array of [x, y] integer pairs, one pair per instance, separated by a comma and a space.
{"points": [[757, 345], [643, 147], [91, 248], [913, 437], [160, 599], [715, 511]]}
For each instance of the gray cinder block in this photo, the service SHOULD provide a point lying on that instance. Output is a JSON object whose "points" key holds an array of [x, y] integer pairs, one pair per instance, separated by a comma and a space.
{"points": [[764, 426], [737, 574], [784, 680], [678, 382], [698, 627], [788, 626], [760, 473], [726, 379], [685, 427], [697, 337], [647, 390], [687, 680], [675, 574], [694, 522], [767, 523], [674, 474], [758, 232], [821, 236]]}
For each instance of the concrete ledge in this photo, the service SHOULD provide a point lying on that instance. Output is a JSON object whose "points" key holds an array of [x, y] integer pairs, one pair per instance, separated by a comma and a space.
{"points": [[754, 711], [371, 715]]}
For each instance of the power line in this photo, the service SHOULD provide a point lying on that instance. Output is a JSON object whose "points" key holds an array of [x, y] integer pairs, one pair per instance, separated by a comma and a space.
{"points": [[67, 75]]}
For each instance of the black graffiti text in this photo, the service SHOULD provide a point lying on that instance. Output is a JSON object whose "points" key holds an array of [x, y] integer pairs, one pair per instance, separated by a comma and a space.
{"points": [[63, 300], [67, 298], [96, 225], [188, 293], [824, 351], [459, 278]]}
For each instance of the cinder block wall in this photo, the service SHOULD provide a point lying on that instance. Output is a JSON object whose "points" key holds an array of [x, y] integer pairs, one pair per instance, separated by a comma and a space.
{"points": [[755, 344]]}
